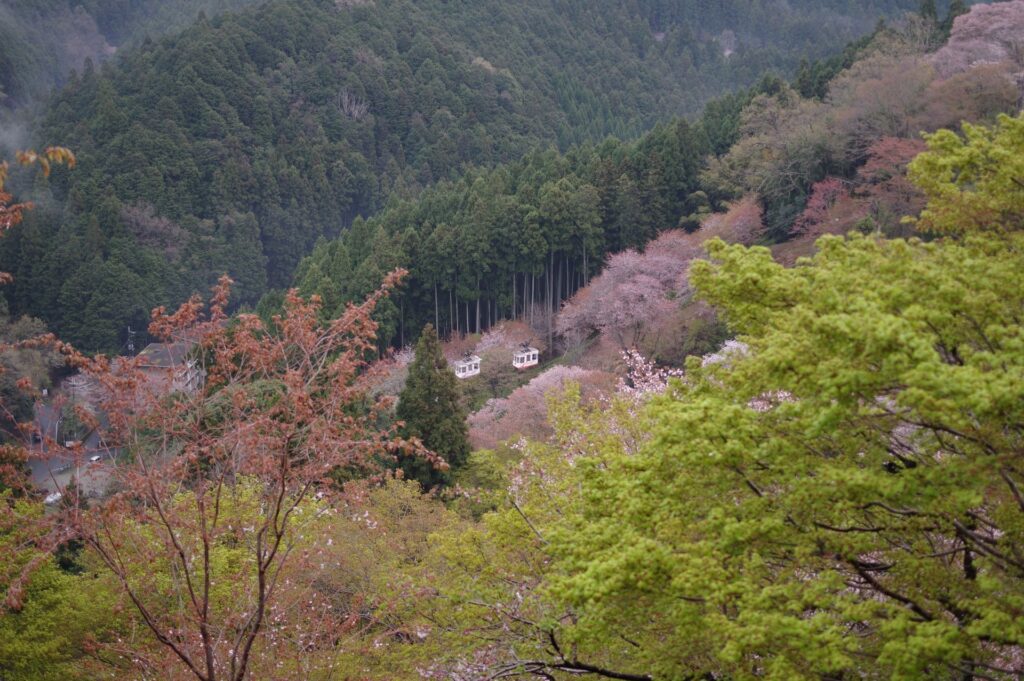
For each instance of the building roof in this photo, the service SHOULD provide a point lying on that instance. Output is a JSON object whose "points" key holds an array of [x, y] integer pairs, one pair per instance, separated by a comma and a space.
{"points": [[164, 355]]}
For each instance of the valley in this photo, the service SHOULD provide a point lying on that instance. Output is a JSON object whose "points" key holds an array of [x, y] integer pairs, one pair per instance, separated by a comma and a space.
{"points": [[470, 340]]}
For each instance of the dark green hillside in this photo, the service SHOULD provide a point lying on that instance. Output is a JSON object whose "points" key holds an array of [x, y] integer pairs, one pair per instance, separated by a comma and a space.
{"points": [[518, 240], [42, 40], [514, 239], [235, 145]]}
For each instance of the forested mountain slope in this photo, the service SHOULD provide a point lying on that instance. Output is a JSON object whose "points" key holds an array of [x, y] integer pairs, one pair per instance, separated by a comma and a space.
{"points": [[519, 240], [236, 144], [42, 40]]}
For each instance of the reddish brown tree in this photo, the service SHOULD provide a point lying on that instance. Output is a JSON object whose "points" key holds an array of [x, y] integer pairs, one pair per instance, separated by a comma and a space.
{"points": [[216, 494], [20, 534], [824, 195], [879, 196]]}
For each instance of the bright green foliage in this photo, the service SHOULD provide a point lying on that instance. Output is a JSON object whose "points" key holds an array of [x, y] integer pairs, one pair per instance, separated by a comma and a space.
{"points": [[375, 553], [46, 640], [842, 494], [489, 610], [850, 471], [974, 182], [153, 581], [49, 620], [429, 406]]}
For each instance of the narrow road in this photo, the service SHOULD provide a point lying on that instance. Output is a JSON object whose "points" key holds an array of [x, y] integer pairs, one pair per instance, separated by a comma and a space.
{"points": [[52, 468]]}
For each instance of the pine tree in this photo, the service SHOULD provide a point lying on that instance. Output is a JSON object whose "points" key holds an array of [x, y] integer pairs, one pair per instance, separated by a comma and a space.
{"points": [[429, 406]]}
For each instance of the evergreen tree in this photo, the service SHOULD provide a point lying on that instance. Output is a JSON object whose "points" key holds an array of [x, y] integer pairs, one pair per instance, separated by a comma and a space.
{"points": [[221, 169], [429, 406]]}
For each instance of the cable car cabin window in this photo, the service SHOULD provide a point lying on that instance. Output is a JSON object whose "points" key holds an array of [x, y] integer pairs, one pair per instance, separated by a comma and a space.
{"points": [[525, 357], [467, 367]]}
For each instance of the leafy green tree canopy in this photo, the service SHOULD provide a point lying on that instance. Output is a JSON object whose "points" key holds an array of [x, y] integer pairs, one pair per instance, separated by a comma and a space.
{"points": [[840, 493], [974, 182]]}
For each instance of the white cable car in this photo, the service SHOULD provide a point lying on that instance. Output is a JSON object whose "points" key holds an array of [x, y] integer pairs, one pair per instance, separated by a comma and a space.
{"points": [[467, 367], [526, 356]]}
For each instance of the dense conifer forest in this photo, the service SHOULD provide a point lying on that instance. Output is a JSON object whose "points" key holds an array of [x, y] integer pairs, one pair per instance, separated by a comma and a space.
{"points": [[41, 41], [517, 241], [237, 144]]}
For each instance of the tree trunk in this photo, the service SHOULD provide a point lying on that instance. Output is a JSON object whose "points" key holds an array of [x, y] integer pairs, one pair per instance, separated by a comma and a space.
{"points": [[568, 277], [551, 296], [532, 294], [533, 298], [437, 314], [558, 288]]}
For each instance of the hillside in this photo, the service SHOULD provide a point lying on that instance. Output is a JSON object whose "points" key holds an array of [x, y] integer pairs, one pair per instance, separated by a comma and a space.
{"points": [[517, 241], [741, 399], [237, 144], [845, 155], [41, 41]]}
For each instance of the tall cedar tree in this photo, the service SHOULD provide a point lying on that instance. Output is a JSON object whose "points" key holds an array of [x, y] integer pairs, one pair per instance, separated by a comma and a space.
{"points": [[429, 405]]}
